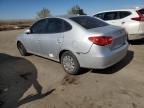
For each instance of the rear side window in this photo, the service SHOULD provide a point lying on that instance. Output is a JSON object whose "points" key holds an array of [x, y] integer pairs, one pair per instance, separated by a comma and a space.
{"points": [[54, 25], [89, 22], [124, 14], [142, 11], [111, 16], [100, 15], [67, 26]]}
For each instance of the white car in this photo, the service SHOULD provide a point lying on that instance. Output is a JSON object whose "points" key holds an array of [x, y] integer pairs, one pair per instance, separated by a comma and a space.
{"points": [[131, 19]]}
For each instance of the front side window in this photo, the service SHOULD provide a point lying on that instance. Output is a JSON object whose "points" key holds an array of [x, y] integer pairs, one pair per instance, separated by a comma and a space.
{"points": [[39, 27], [89, 22], [54, 25]]}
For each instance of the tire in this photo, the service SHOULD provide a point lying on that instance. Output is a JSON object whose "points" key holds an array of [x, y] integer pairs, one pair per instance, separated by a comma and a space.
{"points": [[22, 49], [128, 40], [73, 67]]}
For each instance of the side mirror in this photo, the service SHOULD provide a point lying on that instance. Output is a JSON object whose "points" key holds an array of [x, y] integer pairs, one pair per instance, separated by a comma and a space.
{"points": [[27, 31]]}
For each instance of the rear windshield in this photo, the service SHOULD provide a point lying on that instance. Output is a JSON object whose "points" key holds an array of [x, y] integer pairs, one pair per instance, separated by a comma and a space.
{"points": [[142, 11], [89, 22]]}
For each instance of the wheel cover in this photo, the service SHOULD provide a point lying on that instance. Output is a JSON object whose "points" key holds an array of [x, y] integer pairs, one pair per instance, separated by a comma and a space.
{"points": [[68, 63]]}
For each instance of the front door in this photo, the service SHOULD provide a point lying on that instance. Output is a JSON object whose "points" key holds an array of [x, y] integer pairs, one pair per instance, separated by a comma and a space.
{"points": [[35, 36]]}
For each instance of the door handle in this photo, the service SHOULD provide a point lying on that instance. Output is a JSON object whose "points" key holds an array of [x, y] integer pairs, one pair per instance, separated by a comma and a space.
{"points": [[59, 41], [123, 22], [113, 22]]}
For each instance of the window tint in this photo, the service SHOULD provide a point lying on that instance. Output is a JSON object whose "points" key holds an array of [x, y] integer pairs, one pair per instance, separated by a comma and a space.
{"points": [[50, 25], [101, 15], [142, 11], [111, 16], [67, 26], [88, 22], [54, 25], [124, 14], [39, 27]]}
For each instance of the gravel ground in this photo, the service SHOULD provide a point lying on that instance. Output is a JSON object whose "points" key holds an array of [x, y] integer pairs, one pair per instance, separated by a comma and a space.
{"points": [[35, 82]]}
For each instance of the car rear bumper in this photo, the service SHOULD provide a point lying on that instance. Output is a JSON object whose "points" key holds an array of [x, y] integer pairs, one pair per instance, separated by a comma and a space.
{"points": [[102, 61], [136, 36]]}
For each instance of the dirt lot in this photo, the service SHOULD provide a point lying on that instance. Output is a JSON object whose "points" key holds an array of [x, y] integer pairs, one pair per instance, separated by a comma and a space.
{"points": [[35, 82], [14, 25]]}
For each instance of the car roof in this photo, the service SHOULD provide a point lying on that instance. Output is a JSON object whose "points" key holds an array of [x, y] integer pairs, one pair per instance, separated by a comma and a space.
{"points": [[61, 17], [67, 16], [64, 16], [125, 9]]}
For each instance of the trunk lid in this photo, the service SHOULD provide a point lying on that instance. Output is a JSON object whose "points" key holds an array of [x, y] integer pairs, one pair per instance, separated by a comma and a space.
{"points": [[118, 35]]}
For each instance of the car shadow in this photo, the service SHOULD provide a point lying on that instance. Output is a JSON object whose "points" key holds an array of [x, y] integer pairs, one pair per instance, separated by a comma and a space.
{"points": [[137, 42], [17, 75], [113, 69]]}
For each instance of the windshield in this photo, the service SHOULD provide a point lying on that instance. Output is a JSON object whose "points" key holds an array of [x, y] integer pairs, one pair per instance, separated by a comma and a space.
{"points": [[89, 22]]}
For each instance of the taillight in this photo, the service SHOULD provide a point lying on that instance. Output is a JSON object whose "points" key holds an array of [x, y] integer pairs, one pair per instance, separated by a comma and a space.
{"points": [[101, 40], [139, 18]]}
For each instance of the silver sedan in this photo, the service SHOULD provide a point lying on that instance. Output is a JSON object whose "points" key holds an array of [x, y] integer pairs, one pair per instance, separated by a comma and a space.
{"points": [[75, 41]]}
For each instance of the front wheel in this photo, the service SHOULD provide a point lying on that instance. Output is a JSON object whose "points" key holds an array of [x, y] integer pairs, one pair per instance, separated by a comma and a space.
{"points": [[21, 49], [70, 63]]}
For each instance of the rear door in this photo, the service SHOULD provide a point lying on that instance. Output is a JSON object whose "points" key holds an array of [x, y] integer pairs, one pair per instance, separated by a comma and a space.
{"points": [[120, 18], [127, 23], [52, 40], [112, 18]]}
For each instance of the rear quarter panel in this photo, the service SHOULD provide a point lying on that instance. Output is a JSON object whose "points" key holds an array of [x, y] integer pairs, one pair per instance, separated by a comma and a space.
{"points": [[76, 40], [131, 26]]}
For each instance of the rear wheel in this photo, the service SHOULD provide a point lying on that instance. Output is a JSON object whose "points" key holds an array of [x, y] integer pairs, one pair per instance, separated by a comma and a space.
{"points": [[70, 63], [21, 49]]}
